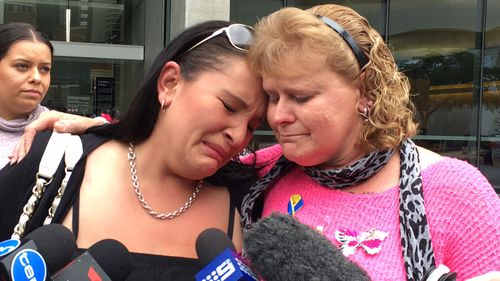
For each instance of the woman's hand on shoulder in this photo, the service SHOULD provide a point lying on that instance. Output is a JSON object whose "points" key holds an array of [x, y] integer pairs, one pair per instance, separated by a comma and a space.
{"points": [[490, 276], [59, 121]]}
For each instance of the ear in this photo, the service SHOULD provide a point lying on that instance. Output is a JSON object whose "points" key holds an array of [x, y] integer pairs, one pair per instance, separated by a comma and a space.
{"points": [[364, 100], [168, 82]]}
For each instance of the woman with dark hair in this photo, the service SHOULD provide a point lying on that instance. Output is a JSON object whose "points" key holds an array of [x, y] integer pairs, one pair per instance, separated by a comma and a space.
{"points": [[26, 57], [166, 171], [25, 62]]}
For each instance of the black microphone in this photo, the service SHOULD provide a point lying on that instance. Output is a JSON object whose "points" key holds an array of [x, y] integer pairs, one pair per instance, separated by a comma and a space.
{"points": [[216, 254], [42, 251], [106, 260], [281, 248]]}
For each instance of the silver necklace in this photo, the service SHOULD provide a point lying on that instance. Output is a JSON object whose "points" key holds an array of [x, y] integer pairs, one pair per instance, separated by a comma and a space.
{"points": [[137, 188]]}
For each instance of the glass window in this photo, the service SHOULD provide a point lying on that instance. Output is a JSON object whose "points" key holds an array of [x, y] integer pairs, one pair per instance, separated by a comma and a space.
{"points": [[435, 45], [93, 21], [89, 87], [490, 109], [98, 69], [249, 12]]}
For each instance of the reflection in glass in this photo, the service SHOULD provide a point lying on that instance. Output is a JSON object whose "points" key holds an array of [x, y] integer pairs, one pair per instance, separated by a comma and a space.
{"points": [[441, 57], [92, 21], [92, 86], [490, 117]]}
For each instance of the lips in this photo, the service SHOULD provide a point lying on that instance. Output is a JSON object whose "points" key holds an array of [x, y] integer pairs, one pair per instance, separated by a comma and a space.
{"points": [[216, 151], [290, 137], [33, 93]]}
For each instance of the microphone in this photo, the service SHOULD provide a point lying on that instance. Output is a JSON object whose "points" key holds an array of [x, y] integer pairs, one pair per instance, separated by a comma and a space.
{"points": [[44, 250], [281, 248], [106, 260], [216, 254]]}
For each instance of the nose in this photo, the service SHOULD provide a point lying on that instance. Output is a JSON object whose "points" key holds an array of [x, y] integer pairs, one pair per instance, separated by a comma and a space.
{"points": [[238, 135], [280, 113], [36, 77]]}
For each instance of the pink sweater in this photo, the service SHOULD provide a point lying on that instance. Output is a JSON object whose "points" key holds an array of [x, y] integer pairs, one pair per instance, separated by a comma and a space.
{"points": [[462, 209]]}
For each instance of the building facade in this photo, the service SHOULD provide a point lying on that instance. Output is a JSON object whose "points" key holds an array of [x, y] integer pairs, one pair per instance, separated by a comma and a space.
{"points": [[449, 49]]}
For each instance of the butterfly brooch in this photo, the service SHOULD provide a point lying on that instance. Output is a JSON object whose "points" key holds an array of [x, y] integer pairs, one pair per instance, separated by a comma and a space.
{"points": [[369, 241]]}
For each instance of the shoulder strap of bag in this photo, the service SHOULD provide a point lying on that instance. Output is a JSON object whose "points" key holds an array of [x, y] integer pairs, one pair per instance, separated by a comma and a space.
{"points": [[56, 147], [74, 151]]}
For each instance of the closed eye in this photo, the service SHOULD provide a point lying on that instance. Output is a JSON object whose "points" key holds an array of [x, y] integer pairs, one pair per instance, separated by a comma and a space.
{"points": [[228, 107], [301, 99]]}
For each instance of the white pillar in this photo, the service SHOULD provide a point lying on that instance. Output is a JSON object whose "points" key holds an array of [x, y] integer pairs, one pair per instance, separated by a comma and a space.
{"points": [[186, 13]]}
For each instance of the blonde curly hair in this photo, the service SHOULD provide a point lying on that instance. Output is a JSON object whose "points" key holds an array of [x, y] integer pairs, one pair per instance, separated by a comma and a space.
{"points": [[292, 34]]}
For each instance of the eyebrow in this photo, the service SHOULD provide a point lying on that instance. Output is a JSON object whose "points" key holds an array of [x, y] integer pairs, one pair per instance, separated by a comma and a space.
{"points": [[237, 99], [22, 59], [309, 88], [299, 89]]}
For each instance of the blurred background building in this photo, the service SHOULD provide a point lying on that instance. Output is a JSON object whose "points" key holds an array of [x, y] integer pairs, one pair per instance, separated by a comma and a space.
{"points": [[449, 49]]}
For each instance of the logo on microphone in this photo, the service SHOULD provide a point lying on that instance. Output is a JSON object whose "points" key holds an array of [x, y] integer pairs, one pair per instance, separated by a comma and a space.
{"points": [[225, 269], [221, 272], [226, 266], [28, 265], [8, 246]]}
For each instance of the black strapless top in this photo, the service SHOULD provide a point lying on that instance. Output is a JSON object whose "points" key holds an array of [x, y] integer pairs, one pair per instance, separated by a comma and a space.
{"points": [[148, 267]]}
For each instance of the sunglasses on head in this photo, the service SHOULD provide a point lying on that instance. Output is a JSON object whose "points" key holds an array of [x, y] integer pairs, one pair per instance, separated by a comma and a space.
{"points": [[239, 35]]}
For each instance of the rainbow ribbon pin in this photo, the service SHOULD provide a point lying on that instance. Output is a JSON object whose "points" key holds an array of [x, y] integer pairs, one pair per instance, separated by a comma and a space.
{"points": [[295, 204]]}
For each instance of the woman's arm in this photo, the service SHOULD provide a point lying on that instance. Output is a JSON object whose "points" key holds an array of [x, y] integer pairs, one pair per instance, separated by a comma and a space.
{"points": [[59, 121]]}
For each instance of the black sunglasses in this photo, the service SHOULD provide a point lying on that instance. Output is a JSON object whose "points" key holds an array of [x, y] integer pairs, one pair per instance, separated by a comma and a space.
{"points": [[362, 61]]}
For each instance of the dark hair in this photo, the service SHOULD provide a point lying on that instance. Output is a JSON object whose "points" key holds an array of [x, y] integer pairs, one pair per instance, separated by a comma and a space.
{"points": [[11, 33], [138, 122]]}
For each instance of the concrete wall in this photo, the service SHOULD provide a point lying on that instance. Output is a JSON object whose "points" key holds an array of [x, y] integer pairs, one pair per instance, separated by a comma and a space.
{"points": [[185, 13]]}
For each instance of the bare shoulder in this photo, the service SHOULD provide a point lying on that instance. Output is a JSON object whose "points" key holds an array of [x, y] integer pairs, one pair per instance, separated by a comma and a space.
{"points": [[427, 157]]}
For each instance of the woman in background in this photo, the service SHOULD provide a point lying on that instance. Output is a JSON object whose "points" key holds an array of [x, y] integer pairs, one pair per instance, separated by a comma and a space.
{"points": [[25, 63], [26, 57]]}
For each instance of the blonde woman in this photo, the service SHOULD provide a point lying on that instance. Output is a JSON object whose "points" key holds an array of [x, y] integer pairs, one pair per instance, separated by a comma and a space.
{"points": [[345, 163]]}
